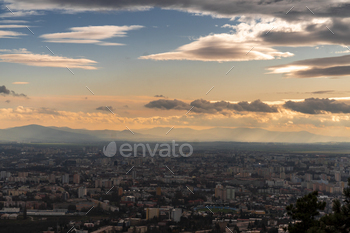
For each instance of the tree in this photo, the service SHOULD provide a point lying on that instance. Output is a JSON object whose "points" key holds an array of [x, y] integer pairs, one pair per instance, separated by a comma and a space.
{"points": [[273, 230], [304, 212], [72, 208], [217, 228], [339, 220], [25, 211], [236, 229]]}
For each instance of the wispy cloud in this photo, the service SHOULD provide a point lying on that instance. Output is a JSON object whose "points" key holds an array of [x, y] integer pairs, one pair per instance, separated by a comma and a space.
{"points": [[12, 26], [20, 83], [242, 44], [262, 36], [90, 34], [316, 67], [105, 108], [13, 21], [45, 60], [223, 8], [220, 47], [19, 13], [10, 34], [321, 92], [20, 50]]}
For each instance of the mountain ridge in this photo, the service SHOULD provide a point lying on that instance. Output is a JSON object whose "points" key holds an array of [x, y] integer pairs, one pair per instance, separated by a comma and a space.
{"points": [[38, 133]]}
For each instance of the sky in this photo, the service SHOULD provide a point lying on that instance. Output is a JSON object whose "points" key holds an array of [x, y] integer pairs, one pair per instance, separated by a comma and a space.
{"points": [[279, 65]]}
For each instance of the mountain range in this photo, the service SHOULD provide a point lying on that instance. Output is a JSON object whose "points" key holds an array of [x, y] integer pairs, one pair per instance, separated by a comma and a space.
{"points": [[42, 134]]}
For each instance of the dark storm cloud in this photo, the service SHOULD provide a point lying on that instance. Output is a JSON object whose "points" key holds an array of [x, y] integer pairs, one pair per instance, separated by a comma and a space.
{"points": [[323, 72], [312, 34], [204, 106], [322, 62], [104, 108], [5, 91], [226, 8], [168, 104], [318, 106], [255, 106]]}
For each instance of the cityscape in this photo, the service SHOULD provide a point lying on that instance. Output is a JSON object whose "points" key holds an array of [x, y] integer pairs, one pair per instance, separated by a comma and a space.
{"points": [[78, 189], [174, 116]]}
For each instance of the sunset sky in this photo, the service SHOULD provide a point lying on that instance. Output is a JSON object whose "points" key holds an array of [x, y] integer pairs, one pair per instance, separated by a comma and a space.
{"points": [[150, 61]]}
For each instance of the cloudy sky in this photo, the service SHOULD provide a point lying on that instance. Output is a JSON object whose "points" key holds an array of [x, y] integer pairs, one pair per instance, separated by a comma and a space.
{"points": [[274, 64]]}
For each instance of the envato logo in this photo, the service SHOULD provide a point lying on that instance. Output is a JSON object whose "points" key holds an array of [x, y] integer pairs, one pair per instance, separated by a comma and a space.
{"points": [[164, 149]]}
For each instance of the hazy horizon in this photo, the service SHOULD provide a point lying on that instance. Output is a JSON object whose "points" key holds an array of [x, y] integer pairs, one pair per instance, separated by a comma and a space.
{"points": [[38, 134]]}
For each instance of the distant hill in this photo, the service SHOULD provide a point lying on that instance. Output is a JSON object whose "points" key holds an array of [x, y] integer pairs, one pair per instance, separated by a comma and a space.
{"points": [[243, 135], [37, 133]]}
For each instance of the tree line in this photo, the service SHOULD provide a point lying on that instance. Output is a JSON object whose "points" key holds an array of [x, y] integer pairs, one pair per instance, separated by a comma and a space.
{"points": [[305, 214]]}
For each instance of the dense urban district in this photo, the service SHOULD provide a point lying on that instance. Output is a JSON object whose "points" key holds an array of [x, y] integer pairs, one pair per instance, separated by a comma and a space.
{"points": [[77, 189]]}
